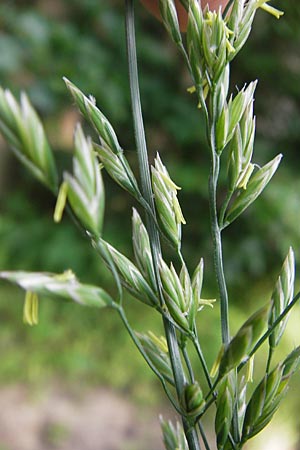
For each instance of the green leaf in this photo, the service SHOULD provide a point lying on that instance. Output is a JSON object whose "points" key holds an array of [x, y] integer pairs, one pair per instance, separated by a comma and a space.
{"points": [[60, 286], [254, 188]]}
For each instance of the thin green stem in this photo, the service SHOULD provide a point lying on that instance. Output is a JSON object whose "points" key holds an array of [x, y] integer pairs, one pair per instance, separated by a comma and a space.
{"points": [[235, 419], [217, 242], [192, 378], [147, 359], [207, 406], [212, 390], [201, 100], [232, 442], [131, 332], [224, 208], [202, 360], [186, 58], [203, 436], [188, 364], [270, 356], [173, 347], [101, 245], [216, 237]]}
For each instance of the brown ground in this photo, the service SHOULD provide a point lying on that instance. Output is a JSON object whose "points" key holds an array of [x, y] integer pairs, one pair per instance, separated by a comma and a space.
{"points": [[57, 419]]}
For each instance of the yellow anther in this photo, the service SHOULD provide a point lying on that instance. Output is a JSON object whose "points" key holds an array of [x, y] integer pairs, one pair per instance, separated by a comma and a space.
{"points": [[250, 368], [31, 308], [245, 176], [263, 4], [169, 182], [177, 210], [160, 342], [191, 90], [67, 275], [60, 202], [216, 364]]}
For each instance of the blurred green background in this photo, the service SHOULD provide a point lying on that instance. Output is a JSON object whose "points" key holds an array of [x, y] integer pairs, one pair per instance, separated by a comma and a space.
{"points": [[40, 42]]}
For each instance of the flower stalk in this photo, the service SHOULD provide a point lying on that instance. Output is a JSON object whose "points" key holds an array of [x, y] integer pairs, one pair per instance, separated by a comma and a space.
{"points": [[173, 346], [159, 280]]}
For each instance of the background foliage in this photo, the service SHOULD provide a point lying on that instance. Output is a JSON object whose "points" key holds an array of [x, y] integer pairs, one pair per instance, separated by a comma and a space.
{"points": [[41, 41]]}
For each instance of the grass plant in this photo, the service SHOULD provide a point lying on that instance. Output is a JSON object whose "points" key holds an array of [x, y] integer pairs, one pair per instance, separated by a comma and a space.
{"points": [[159, 276]]}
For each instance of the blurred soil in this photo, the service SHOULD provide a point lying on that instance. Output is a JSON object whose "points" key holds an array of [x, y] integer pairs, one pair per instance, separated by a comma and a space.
{"points": [[75, 419]]}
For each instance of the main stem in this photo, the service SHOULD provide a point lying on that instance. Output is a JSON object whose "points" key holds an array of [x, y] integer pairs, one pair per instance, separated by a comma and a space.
{"points": [[217, 241], [215, 228], [174, 352]]}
